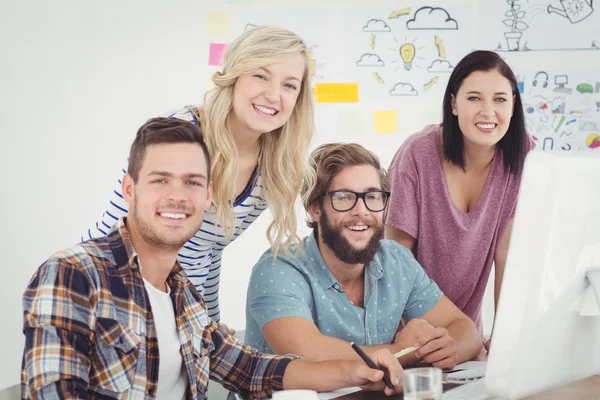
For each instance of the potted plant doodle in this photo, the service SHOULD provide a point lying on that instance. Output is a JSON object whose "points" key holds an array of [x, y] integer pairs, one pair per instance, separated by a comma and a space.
{"points": [[516, 25]]}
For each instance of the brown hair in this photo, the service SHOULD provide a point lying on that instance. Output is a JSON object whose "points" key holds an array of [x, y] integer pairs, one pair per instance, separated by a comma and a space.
{"points": [[163, 130], [327, 160]]}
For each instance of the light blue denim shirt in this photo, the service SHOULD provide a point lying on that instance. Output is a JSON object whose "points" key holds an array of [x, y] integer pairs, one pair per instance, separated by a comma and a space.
{"points": [[396, 287]]}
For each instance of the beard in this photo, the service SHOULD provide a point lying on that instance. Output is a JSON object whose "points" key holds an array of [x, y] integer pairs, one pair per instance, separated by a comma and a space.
{"points": [[166, 241], [341, 247]]}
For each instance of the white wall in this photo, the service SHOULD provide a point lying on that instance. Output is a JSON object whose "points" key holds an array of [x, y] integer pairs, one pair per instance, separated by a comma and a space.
{"points": [[77, 79]]}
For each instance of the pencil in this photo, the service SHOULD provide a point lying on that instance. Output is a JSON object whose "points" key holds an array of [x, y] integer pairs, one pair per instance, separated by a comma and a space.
{"points": [[405, 351], [371, 364]]}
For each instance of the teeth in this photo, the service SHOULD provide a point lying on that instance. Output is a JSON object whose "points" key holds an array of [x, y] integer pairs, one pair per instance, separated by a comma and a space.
{"points": [[173, 216], [358, 228], [265, 110], [486, 126]]}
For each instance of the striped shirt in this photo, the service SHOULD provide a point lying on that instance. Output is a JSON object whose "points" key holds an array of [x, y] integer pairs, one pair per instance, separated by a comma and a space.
{"points": [[201, 256], [90, 332]]}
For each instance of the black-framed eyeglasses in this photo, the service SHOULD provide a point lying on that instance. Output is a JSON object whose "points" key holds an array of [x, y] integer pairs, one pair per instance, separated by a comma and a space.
{"points": [[345, 200]]}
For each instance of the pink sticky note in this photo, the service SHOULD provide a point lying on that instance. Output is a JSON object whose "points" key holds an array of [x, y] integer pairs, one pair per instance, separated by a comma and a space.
{"points": [[215, 53]]}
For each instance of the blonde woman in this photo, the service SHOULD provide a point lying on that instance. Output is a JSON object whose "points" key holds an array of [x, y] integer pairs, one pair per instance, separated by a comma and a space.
{"points": [[258, 123]]}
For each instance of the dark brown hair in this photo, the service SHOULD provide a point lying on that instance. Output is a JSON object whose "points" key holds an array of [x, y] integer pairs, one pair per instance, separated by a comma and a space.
{"points": [[513, 146], [164, 130]]}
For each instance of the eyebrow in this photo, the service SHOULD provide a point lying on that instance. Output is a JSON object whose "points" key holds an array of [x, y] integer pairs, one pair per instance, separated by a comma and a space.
{"points": [[289, 77], [495, 94], [170, 175], [369, 189]]}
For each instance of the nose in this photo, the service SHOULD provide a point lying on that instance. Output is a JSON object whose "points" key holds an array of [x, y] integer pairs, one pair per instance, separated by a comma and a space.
{"points": [[488, 110], [176, 192], [360, 208], [272, 93]]}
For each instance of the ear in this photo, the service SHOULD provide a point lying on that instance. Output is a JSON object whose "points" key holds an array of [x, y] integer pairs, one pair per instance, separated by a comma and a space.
{"points": [[314, 211], [128, 189], [453, 102], [513, 105], [209, 195]]}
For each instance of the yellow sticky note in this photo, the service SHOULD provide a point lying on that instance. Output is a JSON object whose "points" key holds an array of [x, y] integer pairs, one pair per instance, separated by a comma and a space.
{"points": [[386, 121], [336, 92], [217, 23]]}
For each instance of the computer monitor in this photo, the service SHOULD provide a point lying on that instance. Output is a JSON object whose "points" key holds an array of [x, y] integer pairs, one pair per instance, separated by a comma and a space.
{"points": [[547, 326], [561, 80]]}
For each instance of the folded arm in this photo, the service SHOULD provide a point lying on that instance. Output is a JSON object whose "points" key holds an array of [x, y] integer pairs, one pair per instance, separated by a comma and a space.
{"points": [[297, 335]]}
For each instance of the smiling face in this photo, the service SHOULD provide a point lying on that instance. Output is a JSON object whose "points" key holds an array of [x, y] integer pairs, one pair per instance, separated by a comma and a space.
{"points": [[168, 200], [264, 99], [354, 236], [484, 106]]}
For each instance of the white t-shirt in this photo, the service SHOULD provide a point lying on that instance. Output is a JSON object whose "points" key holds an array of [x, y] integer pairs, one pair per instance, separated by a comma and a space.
{"points": [[172, 375]]}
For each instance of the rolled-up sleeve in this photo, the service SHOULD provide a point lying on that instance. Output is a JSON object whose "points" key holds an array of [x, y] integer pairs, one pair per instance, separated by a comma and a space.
{"points": [[278, 290]]}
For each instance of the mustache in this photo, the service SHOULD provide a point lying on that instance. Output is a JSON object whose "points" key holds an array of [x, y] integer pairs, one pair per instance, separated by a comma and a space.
{"points": [[360, 221], [175, 207]]}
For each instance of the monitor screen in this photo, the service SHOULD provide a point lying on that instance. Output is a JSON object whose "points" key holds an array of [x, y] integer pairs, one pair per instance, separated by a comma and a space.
{"points": [[547, 327], [561, 79]]}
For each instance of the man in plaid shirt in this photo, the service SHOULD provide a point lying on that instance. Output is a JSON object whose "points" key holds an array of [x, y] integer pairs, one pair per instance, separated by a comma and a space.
{"points": [[116, 317]]}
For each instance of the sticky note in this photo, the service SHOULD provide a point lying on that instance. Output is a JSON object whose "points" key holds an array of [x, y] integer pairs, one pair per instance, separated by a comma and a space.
{"points": [[386, 121], [217, 23], [336, 92], [215, 53]]}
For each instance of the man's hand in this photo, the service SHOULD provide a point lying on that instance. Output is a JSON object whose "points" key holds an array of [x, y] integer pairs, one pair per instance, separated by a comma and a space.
{"points": [[371, 379], [435, 346], [409, 335]]}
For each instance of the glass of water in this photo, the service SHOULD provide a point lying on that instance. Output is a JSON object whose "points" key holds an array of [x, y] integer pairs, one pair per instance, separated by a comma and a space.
{"points": [[422, 384]]}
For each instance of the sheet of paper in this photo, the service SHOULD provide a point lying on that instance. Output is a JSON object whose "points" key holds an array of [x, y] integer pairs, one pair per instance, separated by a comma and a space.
{"points": [[336, 92], [338, 393], [217, 23], [215, 53], [386, 121], [466, 372], [469, 365]]}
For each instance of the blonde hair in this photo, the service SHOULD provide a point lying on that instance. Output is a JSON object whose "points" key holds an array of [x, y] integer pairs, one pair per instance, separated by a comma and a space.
{"points": [[283, 156], [327, 160]]}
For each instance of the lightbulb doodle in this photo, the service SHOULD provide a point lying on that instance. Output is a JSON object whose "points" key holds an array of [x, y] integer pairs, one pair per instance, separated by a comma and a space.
{"points": [[405, 48]]}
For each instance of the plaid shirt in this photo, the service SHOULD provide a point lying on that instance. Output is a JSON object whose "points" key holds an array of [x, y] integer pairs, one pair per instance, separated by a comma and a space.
{"points": [[90, 333]]}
